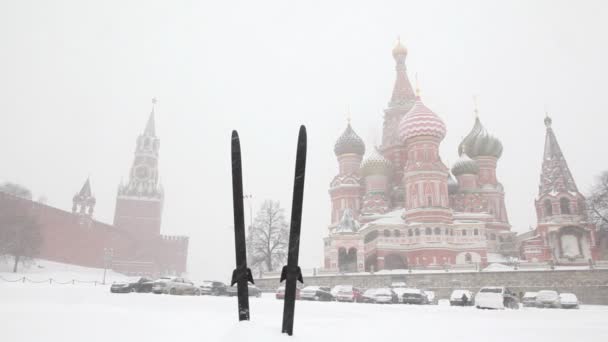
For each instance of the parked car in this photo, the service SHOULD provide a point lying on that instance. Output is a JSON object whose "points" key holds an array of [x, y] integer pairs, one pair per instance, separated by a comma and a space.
{"points": [[175, 286], [399, 291], [385, 296], [347, 293], [142, 284], [280, 294], [529, 299], [253, 291], [368, 296], [547, 299], [431, 297], [461, 298], [213, 288], [568, 301], [496, 297], [318, 293], [414, 296]]}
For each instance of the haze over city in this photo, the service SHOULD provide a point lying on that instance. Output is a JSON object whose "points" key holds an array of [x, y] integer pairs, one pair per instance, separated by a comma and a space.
{"points": [[78, 78]]}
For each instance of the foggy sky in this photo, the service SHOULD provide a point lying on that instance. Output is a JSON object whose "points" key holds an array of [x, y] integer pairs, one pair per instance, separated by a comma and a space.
{"points": [[77, 77]]}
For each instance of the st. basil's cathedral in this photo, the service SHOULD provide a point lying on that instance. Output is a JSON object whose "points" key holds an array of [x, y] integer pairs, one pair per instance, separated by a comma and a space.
{"points": [[400, 206]]}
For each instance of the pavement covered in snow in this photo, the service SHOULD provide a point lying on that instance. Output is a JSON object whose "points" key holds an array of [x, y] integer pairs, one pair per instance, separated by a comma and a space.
{"points": [[44, 312]]}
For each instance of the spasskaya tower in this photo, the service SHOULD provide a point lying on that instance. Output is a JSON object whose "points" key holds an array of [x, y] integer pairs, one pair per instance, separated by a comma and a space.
{"points": [[139, 203]]}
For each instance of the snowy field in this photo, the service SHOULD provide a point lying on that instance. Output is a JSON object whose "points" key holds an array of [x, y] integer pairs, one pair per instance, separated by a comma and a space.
{"points": [[43, 312]]}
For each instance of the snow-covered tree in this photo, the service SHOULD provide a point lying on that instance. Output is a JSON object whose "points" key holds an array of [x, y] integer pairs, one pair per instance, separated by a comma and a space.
{"points": [[15, 189], [268, 238], [20, 235]]}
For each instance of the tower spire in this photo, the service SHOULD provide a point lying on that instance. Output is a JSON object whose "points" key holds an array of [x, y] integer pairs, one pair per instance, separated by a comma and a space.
{"points": [[150, 125], [555, 174], [403, 95], [476, 110]]}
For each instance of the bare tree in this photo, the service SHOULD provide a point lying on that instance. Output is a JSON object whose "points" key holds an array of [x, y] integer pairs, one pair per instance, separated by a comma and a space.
{"points": [[597, 206], [16, 190], [597, 202], [20, 235], [268, 238]]}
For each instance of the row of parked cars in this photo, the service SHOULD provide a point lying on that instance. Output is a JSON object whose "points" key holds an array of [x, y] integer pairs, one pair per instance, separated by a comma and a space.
{"points": [[489, 297], [349, 293], [550, 299], [179, 286], [501, 297]]}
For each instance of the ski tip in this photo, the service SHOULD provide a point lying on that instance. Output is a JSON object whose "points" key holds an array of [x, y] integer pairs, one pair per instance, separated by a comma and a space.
{"points": [[302, 132], [235, 134]]}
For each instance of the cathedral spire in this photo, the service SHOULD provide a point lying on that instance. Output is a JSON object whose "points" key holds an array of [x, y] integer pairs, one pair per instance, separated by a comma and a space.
{"points": [[403, 94], [150, 125], [555, 174]]}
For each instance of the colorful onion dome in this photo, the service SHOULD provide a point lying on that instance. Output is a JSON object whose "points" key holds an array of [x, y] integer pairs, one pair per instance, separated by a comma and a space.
{"points": [[480, 143], [349, 142], [419, 121], [375, 164], [465, 166], [452, 185]]}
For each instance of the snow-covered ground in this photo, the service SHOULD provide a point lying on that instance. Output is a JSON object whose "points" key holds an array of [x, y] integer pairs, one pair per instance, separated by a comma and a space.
{"points": [[40, 270], [43, 312]]}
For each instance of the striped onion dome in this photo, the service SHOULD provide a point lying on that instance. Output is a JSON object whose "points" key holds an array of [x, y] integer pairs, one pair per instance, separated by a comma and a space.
{"points": [[480, 143], [421, 121], [375, 164], [349, 142], [465, 166]]}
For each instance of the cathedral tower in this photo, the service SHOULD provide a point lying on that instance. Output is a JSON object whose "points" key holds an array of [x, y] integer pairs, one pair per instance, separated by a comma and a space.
{"points": [[567, 236], [139, 203], [345, 188], [402, 100], [425, 177]]}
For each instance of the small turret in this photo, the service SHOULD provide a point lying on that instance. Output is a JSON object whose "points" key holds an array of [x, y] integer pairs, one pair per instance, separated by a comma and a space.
{"points": [[83, 202]]}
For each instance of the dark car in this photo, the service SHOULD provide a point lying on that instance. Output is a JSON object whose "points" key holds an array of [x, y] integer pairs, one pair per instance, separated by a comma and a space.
{"points": [[213, 288], [414, 296], [318, 293], [254, 291], [143, 284]]}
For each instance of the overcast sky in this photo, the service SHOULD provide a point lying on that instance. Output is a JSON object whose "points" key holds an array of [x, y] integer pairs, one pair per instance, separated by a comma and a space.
{"points": [[77, 77]]}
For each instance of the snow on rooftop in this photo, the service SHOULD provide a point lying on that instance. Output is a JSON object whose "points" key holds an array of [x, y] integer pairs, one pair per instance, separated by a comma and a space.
{"points": [[391, 218]]}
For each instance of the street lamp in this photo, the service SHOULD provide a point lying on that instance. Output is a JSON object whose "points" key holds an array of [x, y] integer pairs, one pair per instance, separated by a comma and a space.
{"points": [[107, 259]]}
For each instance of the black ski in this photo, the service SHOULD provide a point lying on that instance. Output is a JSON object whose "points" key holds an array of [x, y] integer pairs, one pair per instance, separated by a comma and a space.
{"points": [[241, 274], [292, 271]]}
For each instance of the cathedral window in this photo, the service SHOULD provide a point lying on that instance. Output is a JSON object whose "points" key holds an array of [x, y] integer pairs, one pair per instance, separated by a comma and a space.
{"points": [[464, 232], [429, 201], [476, 231], [387, 233], [397, 233], [428, 231], [410, 232], [437, 231], [548, 208], [417, 232], [564, 205]]}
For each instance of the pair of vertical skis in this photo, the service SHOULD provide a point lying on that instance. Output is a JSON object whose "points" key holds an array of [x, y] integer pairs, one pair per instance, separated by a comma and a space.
{"points": [[292, 273]]}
